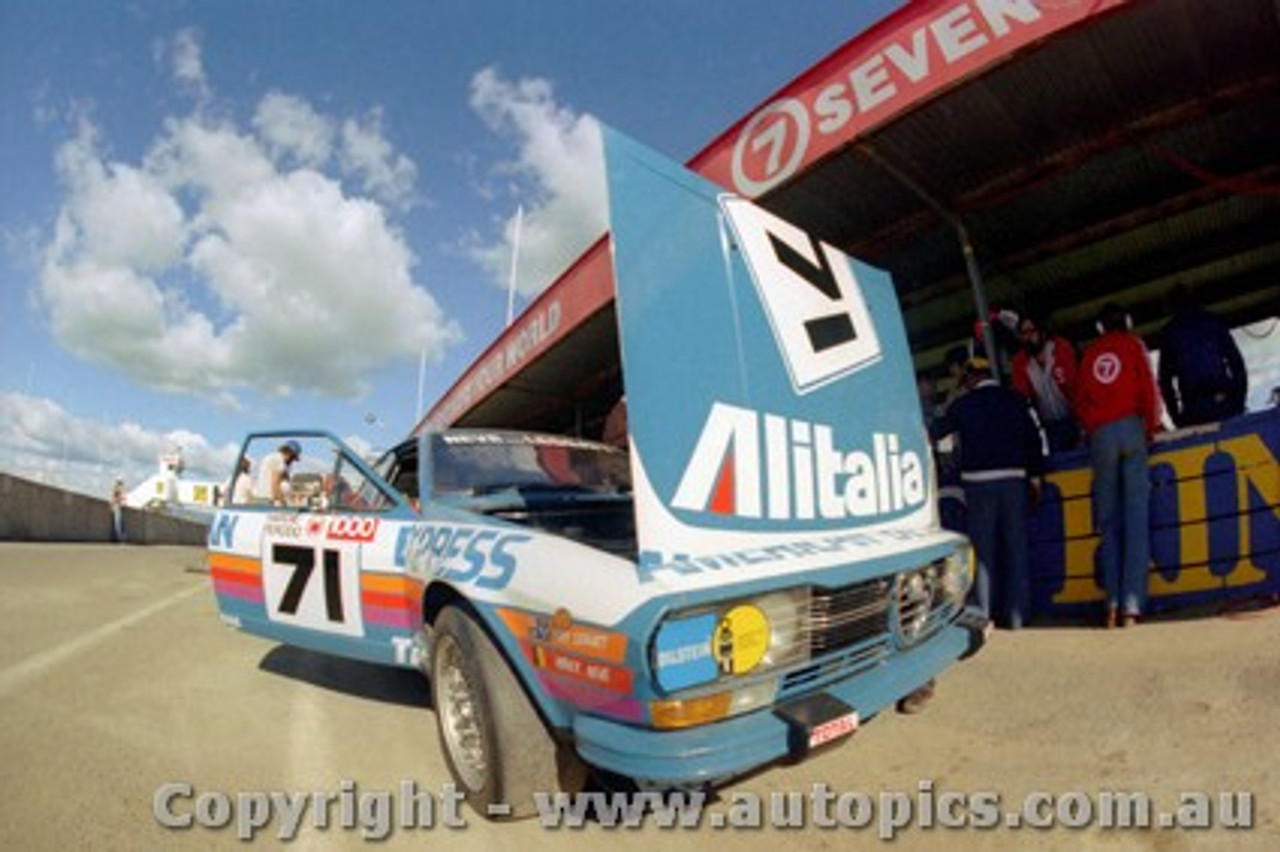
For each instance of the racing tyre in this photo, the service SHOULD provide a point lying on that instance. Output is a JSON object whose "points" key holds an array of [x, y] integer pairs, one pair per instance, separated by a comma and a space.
{"points": [[497, 748]]}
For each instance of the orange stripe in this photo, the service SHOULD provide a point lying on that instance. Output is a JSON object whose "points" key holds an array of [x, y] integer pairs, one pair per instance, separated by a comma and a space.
{"points": [[390, 601], [396, 584], [231, 562], [235, 577]]}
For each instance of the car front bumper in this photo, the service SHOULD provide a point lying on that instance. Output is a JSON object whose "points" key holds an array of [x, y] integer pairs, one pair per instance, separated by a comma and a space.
{"points": [[721, 750]]}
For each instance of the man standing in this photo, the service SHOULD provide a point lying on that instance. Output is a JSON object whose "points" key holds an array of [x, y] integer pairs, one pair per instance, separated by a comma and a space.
{"points": [[117, 510], [1043, 371], [1001, 464], [1202, 375], [273, 472], [1118, 406]]}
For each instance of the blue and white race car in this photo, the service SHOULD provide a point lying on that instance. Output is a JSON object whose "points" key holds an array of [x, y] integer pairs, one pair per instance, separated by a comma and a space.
{"points": [[761, 571]]}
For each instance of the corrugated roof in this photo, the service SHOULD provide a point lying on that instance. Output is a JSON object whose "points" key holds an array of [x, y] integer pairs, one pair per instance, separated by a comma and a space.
{"points": [[1109, 162]]}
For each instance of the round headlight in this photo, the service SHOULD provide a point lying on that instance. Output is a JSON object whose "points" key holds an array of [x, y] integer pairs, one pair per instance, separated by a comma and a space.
{"points": [[915, 601]]}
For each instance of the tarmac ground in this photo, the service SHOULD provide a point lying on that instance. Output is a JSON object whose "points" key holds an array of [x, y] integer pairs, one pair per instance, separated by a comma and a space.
{"points": [[134, 719]]}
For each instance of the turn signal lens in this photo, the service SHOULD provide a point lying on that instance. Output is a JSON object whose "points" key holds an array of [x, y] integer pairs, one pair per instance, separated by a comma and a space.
{"points": [[687, 712]]}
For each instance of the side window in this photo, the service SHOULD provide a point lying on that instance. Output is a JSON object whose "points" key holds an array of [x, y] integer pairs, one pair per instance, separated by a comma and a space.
{"points": [[309, 472], [352, 491], [399, 467]]}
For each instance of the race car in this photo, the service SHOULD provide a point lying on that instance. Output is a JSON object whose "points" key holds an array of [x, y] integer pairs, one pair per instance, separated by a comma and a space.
{"points": [[756, 574]]}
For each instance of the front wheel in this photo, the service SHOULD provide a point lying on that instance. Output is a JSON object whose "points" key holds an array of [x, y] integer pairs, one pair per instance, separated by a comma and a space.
{"points": [[497, 748]]}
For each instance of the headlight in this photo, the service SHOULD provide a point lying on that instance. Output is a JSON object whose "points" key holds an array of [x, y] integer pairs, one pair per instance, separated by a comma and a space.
{"points": [[923, 594], [733, 645], [957, 577]]}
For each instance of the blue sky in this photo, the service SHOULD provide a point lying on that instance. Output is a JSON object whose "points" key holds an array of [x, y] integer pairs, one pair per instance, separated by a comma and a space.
{"points": [[223, 216]]}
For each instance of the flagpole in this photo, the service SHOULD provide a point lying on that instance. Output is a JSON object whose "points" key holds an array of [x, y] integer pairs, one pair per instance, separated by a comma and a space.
{"points": [[515, 260]]}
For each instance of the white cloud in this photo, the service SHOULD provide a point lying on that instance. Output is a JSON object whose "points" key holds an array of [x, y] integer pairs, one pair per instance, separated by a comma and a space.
{"points": [[233, 258], [558, 175], [293, 129], [366, 154], [40, 440], [115, 214], [186, 55]]}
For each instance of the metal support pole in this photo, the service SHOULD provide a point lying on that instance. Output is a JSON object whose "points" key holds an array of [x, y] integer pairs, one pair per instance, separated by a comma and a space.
{"points": [[979, 297], [966, 247]]}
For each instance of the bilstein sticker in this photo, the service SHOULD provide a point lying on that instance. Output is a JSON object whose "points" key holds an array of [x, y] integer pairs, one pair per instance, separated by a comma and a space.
{"points": [[741, 639]]}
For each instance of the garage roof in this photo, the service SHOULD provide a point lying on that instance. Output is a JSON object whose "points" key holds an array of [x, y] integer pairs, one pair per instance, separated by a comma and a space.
{"points": [[1092, 151]]}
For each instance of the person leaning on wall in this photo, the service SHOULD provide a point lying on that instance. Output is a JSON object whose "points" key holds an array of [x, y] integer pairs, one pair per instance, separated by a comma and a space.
{"points": [[1118, 406], [117, 511], [1044, 371]]}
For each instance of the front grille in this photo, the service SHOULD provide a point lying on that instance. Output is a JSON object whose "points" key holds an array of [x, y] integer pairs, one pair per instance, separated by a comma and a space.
{"points": [[848, 615], [851, 629], [836, 666], [848, 632]]}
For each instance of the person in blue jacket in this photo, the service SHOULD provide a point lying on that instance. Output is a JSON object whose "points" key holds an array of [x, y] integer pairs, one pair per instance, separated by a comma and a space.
{"points": [[1202, 375], [1002, 455]]}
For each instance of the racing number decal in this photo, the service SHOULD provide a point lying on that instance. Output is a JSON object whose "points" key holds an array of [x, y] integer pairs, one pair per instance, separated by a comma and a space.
{"points": [[814, 305], [294, 595], [304, 561]]}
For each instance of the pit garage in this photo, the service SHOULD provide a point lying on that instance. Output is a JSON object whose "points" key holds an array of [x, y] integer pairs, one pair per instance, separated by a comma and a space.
{"points": [[1035, 155], [1044, 155]]}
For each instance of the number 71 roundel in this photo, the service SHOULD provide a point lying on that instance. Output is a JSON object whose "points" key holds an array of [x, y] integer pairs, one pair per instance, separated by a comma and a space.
{"points": [[313, 586], [814, 305]]}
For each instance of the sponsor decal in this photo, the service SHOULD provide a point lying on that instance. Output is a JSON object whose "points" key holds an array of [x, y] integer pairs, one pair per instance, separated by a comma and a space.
{"points": [[878, 79], [612, 678], [741, 639], [752, 465], [579, 652], [558, 630], [486, 558], [776, 556], [352, 529], [222, 532], [808, 291], [683, 655], [288, 527]]}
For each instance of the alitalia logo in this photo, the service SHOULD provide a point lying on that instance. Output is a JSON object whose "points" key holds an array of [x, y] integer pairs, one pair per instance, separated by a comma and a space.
{"points": [[753, 465]]}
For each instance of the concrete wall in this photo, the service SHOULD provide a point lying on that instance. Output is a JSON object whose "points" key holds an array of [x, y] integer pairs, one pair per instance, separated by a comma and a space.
{"points": [[30, 511]]}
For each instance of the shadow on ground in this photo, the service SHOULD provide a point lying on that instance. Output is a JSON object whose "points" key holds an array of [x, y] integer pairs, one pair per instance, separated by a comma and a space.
{"points": [[349, 677]]}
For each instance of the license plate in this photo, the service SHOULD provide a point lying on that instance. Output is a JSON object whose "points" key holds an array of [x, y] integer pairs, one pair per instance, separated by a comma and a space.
{"points": [[833, 730]]}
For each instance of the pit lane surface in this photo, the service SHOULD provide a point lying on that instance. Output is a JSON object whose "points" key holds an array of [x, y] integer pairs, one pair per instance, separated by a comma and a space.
{"points": [[117, 678]]}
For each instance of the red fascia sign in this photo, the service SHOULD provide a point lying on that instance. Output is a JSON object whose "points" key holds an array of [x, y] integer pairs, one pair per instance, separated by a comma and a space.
{"points": [[582, 291], [917, 52]]}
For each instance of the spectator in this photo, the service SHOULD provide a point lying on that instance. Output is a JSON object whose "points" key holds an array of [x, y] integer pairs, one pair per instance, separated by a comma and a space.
{"points": [[1001, 465], [117, 510], [1202, 376], [273, 472], [1043, 371], [242, 486], [1117, 404]]}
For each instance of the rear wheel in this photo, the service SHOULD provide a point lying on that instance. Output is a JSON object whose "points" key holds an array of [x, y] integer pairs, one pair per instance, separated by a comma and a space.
{"points": [[496, 745]]}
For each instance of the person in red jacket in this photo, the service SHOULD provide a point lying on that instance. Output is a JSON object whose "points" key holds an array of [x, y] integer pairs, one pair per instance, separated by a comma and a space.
{"points": [[1044, 371], [1118, 406]]}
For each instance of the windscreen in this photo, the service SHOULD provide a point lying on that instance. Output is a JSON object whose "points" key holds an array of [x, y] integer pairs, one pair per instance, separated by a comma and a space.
{"points": [[492, 461]]}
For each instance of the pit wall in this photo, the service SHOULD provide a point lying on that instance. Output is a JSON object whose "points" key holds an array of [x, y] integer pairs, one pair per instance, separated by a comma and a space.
{"points": [[30, 511], [1214, 520]]}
